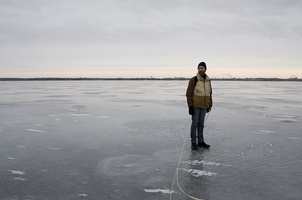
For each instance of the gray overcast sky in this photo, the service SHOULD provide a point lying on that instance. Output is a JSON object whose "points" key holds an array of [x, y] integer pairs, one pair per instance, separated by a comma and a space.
{"points": [[143, 38]]}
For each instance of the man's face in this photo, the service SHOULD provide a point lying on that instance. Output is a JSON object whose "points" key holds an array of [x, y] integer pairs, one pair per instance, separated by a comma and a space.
{"points": [[201, 70]]}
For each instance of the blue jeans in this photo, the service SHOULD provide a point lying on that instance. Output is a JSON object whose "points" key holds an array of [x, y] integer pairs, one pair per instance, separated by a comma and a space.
{"points": [[198, 125]]}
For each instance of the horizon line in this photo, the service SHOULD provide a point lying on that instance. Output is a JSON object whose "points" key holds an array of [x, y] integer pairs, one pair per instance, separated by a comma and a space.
{"points": [[144, 78]]}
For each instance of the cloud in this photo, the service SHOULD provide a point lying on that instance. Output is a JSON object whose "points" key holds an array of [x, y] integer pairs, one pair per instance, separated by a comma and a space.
{"points": [[140, 21], [157, 33]]}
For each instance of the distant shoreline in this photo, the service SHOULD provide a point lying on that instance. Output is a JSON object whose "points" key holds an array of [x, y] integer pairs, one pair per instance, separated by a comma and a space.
{"points": [[142, 79]]}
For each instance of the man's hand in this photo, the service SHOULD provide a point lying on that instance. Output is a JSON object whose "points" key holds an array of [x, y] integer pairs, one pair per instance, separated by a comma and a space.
{"points": [[208, 110], [191, 110]]}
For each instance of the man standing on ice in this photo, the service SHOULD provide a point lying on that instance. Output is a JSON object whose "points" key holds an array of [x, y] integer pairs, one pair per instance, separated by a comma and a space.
{"points": [[199, 99]]}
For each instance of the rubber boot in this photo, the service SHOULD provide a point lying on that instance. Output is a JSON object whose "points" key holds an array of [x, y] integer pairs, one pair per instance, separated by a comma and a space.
{"points": [[203, 144], [194, 146]]}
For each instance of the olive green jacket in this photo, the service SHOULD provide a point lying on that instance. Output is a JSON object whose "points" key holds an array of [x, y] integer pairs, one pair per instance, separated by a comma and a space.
{"points": [[199, 92]]}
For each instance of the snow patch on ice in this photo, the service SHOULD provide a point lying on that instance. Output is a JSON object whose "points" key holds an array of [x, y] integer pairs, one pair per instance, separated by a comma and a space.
{"points": [[79, 114], [197, 162], [294, 138], [20, 173], [282, 116], [266, 132], [20, 179], [164, 191], [197, 173], [22, 147], [10, 158], [35, 130], [17, 172], [82, 195]]}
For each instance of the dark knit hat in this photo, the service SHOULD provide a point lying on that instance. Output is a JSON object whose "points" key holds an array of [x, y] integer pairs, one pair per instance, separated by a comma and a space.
{"points": [[202, 64]]}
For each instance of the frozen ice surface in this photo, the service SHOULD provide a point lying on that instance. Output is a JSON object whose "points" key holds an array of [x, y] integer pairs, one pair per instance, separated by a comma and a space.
{"points": [[123, 140]]}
